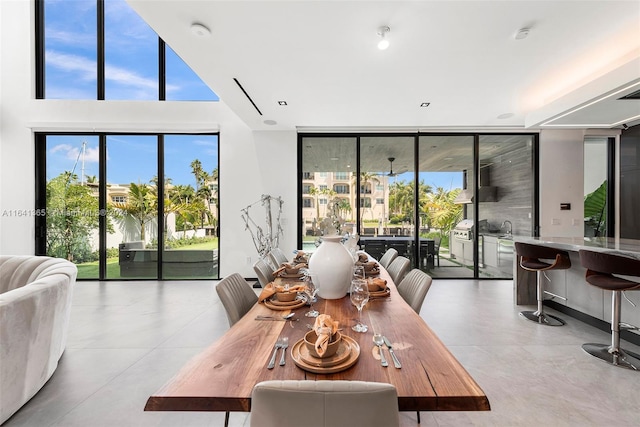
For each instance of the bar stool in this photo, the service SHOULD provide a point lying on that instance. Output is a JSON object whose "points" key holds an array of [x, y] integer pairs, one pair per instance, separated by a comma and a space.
{"points": [[531, 257], [601, 268]]}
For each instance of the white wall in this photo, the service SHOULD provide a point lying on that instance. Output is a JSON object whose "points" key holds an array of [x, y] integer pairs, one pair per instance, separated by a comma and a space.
{"points": [[251, 164], [561, 181]]}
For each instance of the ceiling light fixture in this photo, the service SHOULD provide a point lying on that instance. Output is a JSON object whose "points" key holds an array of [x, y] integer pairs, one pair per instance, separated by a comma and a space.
{"points": [[425, 104], [200, 30], [382, 32], [283, 103]]}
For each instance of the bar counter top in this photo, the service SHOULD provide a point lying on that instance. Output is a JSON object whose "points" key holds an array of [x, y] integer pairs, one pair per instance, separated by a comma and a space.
{"points": [[628, 247], [587, 303]]}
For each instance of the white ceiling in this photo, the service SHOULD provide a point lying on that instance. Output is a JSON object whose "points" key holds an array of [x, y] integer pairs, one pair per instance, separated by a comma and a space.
{"points": [[460, 56]]}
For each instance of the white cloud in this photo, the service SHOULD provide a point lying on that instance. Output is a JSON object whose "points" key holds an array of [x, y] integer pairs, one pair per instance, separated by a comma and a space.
{"points": [[71, 38], [86, 68], [125, 77], [91, 154]]}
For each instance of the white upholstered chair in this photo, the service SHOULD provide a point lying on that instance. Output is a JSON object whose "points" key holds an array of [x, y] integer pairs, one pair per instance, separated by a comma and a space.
{"points": [[414, 287], [237, 296], [293, 403], [399, 268], [388, 257]]}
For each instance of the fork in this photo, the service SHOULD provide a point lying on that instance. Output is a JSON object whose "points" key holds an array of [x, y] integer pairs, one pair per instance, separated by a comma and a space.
{"points": [[278, 346], [285, 344]]}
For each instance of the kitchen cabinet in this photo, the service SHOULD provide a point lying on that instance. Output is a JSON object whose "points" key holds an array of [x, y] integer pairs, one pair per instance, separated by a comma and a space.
{"points": [[490, 251], [461, 249]]}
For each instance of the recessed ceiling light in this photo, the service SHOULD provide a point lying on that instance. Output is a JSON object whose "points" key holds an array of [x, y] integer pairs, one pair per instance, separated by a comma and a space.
{"points": [[382, 32], [200, 30], [448, 159], [522, 33], [270, 122], [425, 104], [282, 103], [334, 158]]}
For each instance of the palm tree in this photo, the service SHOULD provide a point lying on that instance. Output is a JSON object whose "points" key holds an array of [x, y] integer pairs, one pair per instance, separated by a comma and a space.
{"points": [[443, 213], [141, 205]]}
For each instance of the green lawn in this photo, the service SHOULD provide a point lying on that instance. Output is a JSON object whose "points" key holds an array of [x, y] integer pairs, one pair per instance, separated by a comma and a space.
{"points": [[89, 270]]}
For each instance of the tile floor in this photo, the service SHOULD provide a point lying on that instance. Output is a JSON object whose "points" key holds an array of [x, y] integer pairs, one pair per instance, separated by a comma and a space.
{"points": [[127, 339]]}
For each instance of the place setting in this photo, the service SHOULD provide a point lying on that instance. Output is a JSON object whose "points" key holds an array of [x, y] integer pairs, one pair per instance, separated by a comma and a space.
{"points": [[377, 288], [282, 296], [324, 349]]}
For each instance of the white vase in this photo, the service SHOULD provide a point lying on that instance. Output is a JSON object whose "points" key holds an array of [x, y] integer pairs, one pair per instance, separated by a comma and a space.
{"points": [[333, 264]]}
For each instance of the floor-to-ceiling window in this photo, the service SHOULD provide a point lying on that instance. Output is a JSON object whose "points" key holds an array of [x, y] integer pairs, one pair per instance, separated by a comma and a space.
{"points": [[449, 202], [139, 205], [447, 168], [329, 178], [102, 49], [506, 204], [387, 194], [129, 206]]}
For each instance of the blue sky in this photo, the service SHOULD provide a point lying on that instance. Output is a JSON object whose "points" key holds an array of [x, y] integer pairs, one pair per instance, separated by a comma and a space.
{"points": [[446, 180], [131, 56], [131, 51], [131, 73], [132, 158]]}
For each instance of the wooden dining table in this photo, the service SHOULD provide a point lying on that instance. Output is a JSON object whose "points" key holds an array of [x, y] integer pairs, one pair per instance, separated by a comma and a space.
{"points": [[222, 377]]}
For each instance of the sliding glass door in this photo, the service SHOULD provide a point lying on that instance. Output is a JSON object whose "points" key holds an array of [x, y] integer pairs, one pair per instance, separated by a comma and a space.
{"points": [[447, 171], [505, 207], [451, 203]]}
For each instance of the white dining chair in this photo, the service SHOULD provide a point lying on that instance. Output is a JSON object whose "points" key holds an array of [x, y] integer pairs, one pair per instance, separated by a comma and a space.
{"points": [[388, 257], [399, 268], [264, 271], [237, 296], [414, 287], [339, 403]]}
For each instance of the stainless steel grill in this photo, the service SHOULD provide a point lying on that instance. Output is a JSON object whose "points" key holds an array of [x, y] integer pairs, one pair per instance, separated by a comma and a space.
{"points": [[464, 230]]}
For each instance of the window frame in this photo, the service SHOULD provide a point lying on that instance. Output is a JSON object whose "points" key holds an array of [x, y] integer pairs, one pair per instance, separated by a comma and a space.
{"points": [[40, 140]]}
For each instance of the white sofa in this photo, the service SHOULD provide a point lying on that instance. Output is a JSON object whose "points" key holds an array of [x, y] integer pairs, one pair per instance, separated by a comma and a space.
{"points": [[35, 305]]}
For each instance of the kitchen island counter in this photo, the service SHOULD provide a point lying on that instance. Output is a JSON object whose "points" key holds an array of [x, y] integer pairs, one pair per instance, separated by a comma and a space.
{"points": [[581, 298]]}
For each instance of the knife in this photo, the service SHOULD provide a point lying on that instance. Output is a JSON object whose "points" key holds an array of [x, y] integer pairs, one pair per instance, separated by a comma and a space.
{"points": [[396, 362]]}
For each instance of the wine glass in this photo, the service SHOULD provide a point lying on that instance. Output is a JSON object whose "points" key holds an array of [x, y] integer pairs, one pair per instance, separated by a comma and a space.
{"points": [[311, 289], [359, 297], [358, 272]]}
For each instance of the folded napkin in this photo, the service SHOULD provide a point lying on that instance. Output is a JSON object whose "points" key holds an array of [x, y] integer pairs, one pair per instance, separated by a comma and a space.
{"points": [[371, 265], [324, 328], [362, 258], [381, 283], [300, 258], [271, 289]]}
